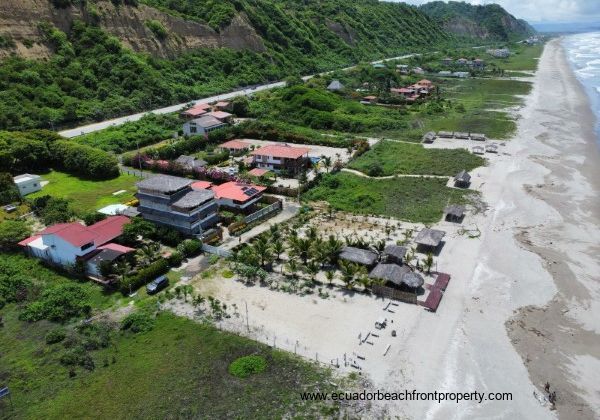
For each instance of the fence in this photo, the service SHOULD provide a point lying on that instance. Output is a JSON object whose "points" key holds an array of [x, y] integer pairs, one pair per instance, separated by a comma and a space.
{"points": [[390, 293], [216, 250], [264, 212]]}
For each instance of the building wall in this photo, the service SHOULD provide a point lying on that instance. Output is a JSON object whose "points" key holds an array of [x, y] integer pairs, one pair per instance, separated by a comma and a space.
{"points": [[60, 251], [28, 187], [230, 203]]}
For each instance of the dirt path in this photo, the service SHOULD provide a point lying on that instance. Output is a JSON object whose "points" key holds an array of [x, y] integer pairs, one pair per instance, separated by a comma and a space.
{"points": [[359, 173]]}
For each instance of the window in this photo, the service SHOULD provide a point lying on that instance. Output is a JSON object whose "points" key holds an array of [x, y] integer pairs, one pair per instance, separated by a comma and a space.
{"points": [[193, 129], [87, 246]]}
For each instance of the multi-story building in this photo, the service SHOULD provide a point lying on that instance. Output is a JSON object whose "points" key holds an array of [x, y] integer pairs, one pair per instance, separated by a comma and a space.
{"points": [[171, 201], [281, 158]]}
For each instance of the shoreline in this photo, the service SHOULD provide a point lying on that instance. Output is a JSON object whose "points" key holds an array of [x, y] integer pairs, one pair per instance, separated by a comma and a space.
{"points": [[567, 322]]}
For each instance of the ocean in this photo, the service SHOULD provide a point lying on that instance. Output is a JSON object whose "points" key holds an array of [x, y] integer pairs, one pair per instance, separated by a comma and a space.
{"points": [[583, 52]]}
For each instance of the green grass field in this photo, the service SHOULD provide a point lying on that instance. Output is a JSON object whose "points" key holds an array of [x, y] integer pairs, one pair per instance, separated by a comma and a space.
{"points": [[522, 58], [412, 199], [88, 195], [179, 369], [403, 158]]}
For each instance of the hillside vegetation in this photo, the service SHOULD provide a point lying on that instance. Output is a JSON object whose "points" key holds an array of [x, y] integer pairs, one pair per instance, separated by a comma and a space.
{"points": [[91, 76], [489, 22]]}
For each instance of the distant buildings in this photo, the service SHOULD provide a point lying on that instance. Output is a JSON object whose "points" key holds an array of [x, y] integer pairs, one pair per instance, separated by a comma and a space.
{"points": [[190, 162], [335, 86], [235, 147], [499, 52], [281, 158], [171, 201], [27, 183]]}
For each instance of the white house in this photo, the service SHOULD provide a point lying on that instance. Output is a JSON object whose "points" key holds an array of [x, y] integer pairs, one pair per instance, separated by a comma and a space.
{"points": [[27, 183], [64, 243], [202, 125]]}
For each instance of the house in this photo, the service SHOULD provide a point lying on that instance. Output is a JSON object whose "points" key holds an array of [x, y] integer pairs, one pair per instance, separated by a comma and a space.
{"points": [[222, 116], [499, 52], [202, 125], [478, 137], [424, 83], [65, 243], [235, 147], [171, 201], [445, 73], [404, 91], [478, 63], [378, 66], [429, 239], [367, 100], [281, 158], [461, 74], [402, 68], [238, 195], [358, 256], [462, 61], [491, 148], [447, 61], [390, 273], [394, 253], [461, 135], [335, 86], [222, 106], [418, 70], [196, 111], [27, 183], [462, 179], [190, 162]]}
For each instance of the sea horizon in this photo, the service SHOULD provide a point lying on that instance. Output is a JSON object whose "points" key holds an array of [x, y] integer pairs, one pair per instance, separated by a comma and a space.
{"points": [[583, 54]]}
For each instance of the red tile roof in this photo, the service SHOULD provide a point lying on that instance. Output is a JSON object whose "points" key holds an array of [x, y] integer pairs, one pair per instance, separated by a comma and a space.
{"points": [[222, 104], [281, 151], [220, 115], [201, 185], [108, 229], [257, 172], [117, 247], [78, 235], [424, 82], [235, 144], [237, 191]]}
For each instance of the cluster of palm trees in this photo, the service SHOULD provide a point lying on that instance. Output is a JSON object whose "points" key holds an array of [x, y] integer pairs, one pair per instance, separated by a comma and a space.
{"points": [[296, 254]]}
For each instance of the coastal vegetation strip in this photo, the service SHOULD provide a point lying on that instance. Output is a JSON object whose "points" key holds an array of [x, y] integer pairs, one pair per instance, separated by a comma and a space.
{"points": [[390, 158], [405, 198]]}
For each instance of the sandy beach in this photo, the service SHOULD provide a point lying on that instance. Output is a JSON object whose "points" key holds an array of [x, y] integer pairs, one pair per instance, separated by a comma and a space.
{"points": [[522, 305]]}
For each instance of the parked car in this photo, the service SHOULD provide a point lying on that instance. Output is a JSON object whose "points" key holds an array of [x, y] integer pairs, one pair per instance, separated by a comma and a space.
{"points": [[157, 285]]}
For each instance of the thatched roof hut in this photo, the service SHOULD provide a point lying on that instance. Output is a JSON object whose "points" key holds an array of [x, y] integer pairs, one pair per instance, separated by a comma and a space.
{"points": [[454, 212], [413, 280], [460, 135], [429, 137], [430, 237], [392, 273], [478, 137], [358, 256], [445, 134], [478, 150], [491, 148], [462, 178], [395, 253]]}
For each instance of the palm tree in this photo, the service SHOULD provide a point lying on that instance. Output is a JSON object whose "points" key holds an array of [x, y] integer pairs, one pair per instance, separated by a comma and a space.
{"points": [[312, 269], [263, 250], [301, 247], [186, 290], [378, 247], [330, 276], [278, 248], [333, 247], [327, 162], [349, 271], [292, 267], [428, 262]]}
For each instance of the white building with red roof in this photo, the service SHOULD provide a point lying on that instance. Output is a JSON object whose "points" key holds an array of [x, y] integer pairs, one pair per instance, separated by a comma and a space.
{"points": [[238, 195], [235, 147], [281, 158], [196, 111], [65, 243]]}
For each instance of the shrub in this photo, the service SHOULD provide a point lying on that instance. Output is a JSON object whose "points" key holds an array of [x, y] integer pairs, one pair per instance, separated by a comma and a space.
{"points": [[56, 336], [58, 303], [145, 275], [247, 365], [13, 231], [157, 29], [175, 259], [83, 160], [190, 247], [138, 322]]}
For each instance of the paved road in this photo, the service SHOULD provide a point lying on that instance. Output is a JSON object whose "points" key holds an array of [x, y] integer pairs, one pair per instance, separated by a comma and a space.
{"points": [[74, 132]]}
